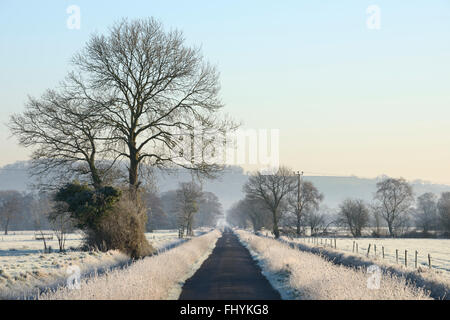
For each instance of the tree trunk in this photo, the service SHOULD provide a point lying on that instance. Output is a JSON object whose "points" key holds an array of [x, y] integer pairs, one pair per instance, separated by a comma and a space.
{"points": [[391, 231], [96, 180], [276, 232], [6, 227], [133, 175], [298, 224], [134, 166], [189, 228]]}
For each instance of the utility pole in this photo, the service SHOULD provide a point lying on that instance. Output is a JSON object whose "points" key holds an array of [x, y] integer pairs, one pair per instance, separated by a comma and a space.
{"points": [[299, 183]]}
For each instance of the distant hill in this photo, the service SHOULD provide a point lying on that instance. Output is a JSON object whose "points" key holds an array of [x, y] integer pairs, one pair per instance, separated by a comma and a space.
{"points": [[15, 176], [229, 186]]}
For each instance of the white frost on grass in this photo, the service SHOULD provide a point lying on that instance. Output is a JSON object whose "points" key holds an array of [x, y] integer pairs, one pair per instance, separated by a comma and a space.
{"points": [[436, 281], [22, 276], [152, 278], [311, 277], [25, 269]]}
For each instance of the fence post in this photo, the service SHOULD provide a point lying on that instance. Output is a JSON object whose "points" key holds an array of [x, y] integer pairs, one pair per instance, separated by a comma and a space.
{"points": [[335, 246], [353, 246], [382, 249], [375, 249], [429, 261], [415, 261], [396, 255], [406, 258], [356, 247], [368, 250]]}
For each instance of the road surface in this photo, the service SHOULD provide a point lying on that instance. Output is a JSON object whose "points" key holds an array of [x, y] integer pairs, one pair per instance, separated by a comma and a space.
{"points": [[229, 273]]}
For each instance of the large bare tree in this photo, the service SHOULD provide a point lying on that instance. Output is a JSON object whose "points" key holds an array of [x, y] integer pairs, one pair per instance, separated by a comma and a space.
{"points": [[394, 198], [157, 95], [273, 190], [138, 93]]}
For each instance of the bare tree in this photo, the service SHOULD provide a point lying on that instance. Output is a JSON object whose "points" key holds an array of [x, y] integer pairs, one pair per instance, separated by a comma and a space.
{"points": [[255, 211], [444, 211], [157, 96], [157, 218], [354, 214], [62, 223], [209, 211], [377, 221], [273, 190], [426, 213], [394, 198], [188, 197], [235, 216], [315, 220], [307, 199], [40, 207], [138, 93], [9, 207]]}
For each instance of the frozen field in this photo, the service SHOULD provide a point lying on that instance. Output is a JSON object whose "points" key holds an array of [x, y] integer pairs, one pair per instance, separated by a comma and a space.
{"points": [[439, 250], [24, 267]]}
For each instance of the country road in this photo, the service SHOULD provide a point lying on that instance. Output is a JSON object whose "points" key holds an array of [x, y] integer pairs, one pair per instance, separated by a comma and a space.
{"points": [[229, 273]]}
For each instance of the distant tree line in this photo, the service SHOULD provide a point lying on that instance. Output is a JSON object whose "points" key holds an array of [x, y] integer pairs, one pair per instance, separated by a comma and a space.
{"points": [[31, 211], [279, 202], [185, 208], [23, 211]]}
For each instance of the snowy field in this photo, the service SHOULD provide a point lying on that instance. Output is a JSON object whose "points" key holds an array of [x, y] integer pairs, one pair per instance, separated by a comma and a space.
{"points": [[24, 267], [439, 250]]}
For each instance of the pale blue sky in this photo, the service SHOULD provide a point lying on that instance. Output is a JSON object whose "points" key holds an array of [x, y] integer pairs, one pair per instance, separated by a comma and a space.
{"points": [[348, 100]]}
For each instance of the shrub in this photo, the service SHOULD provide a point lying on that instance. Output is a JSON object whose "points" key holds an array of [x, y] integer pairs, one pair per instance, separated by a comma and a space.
{"points": [[123, 228], [110, 218]]}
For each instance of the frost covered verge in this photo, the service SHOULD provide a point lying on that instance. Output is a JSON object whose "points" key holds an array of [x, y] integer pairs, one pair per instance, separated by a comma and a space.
{"points": [[436, 282], [153, 278], [21, 277], [303, 275], [26, 270]]}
